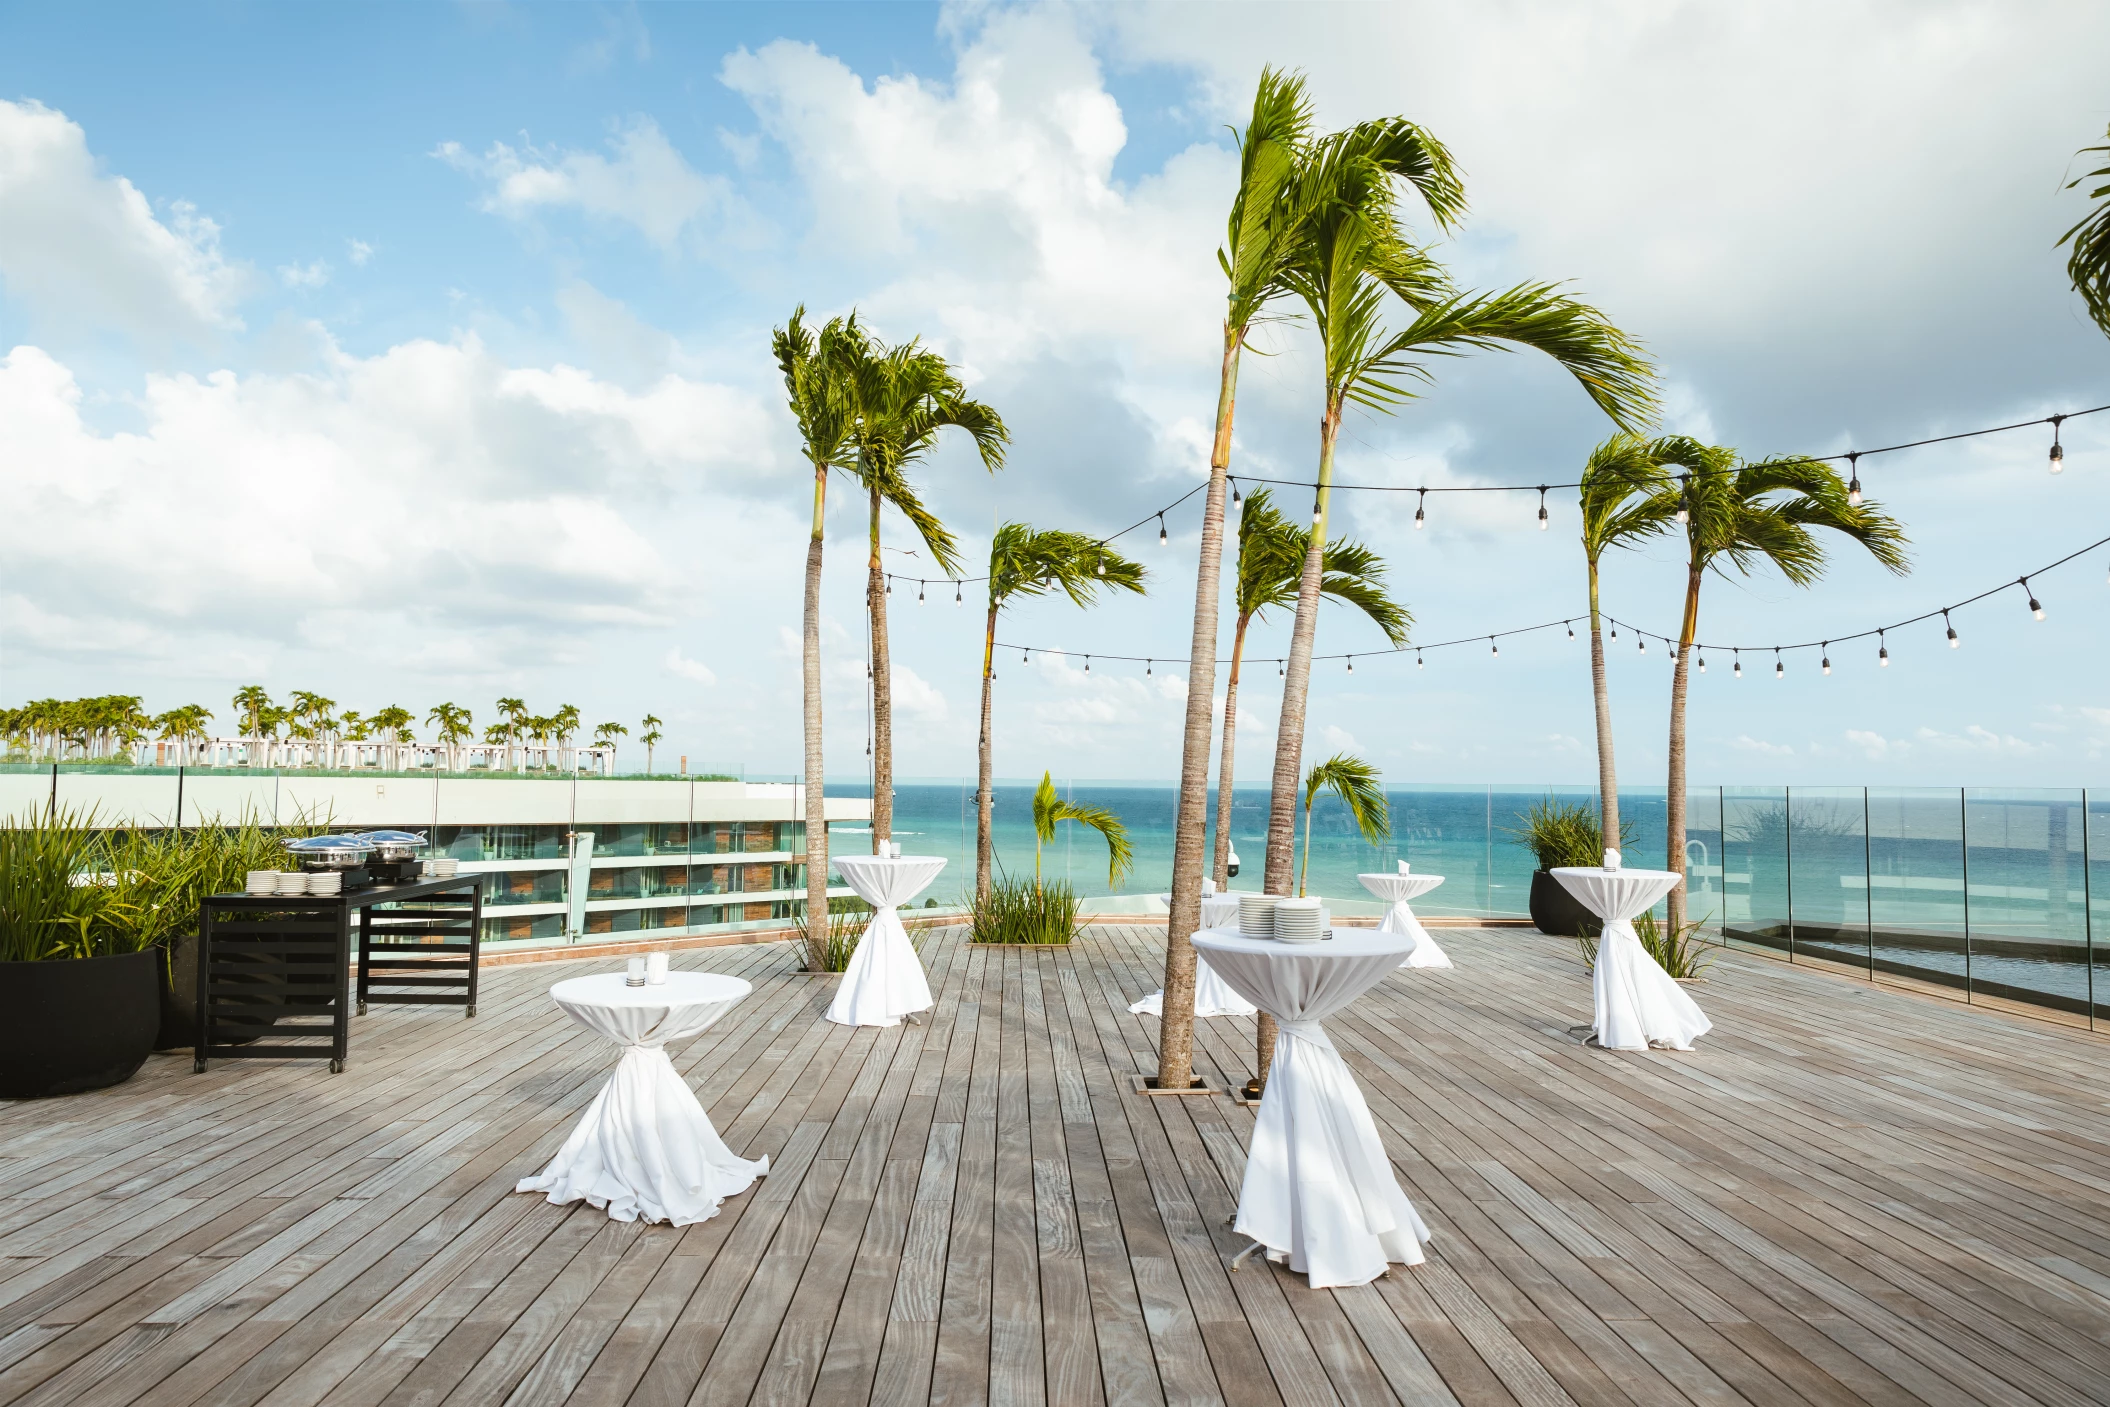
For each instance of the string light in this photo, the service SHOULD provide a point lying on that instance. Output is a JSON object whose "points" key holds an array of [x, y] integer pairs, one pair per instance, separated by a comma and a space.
{"points": [[1162, 539], [1641, 644], [959, 596], [1685, 498], [1780, 671], [1954, 643], [919, 591], [1738, 665], [1087, 664], [1703, 663], [1101, 565], [1571, 628], [2036, 607], [1236, 501], [1542, 508], [1882, 651], [1853, 484], [1280, 672], [1146, 666], [889, 586], [2058, 452], [1827, 647], [1615, 630], [1316, 507], [1025, 657], [1351, 664], [1421, 510], [1417, 659], [1492, 647]]}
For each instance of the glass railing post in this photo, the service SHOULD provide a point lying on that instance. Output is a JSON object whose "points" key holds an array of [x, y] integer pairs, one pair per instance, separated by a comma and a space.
{"points": [[1868, 881], [2088, 906], [1787, 852], [1963, 855]]}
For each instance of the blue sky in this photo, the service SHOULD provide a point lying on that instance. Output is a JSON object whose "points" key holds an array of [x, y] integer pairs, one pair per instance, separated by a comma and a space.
{"points": [[420, 353]]}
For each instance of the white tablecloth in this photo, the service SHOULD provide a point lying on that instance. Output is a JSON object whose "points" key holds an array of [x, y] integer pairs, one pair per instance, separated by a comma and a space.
{"points": [[1638, 1004], [1319, 1190], [1211, 996], [1398, 889], [645, 1148], [884, 981]]}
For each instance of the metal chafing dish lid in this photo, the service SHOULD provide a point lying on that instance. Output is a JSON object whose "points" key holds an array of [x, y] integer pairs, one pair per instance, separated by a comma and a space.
{"points": [[379, 838], [330, 846]]}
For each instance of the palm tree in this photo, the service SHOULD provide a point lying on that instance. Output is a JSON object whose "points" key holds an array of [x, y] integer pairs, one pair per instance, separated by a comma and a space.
{"points": [[822, 406], [1356, 783], [185, 726], [1026, 562], [607, 733], [455, 728], [904, 397], [1048, 808], [650, 738], [250, 705], [1270, 562], [564, 724], [515, 713], [391, 727], [1742, 516], [1351, 254], [2088, 267], [1269, 212], [1622, 506]]}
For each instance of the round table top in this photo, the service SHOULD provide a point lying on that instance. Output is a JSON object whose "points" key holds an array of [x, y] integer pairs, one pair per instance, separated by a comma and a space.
{"points": [[1346, 942], [888, 860], [1615, 894], [680, 989], [1399, 886]]}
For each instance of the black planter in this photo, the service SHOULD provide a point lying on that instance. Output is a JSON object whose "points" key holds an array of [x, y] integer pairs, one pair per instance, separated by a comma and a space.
{"points": [[74, 1024], [1554, 910]]}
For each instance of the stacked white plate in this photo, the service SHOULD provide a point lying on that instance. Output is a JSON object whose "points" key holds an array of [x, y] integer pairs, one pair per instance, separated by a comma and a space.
{"points": [[263, 882], [1299, 921], [1256, 915], [442, 867], [327, 883], [295, 882]]}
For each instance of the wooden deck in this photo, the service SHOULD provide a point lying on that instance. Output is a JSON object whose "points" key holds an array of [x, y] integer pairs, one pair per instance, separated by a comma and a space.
{"points": [[1849, 1194]]}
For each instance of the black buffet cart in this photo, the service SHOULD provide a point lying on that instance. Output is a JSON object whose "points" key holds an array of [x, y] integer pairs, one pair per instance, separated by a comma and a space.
{"points": [[273, 969]]}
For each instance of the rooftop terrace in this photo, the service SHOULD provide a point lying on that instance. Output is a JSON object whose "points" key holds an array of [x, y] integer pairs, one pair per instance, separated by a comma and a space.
{"points": [[1848, 1194]]}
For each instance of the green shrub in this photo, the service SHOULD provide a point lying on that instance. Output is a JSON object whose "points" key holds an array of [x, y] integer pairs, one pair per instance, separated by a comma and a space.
{"points": [[1565, 833], [1682, 954], [1020, 911], [848, 917]]}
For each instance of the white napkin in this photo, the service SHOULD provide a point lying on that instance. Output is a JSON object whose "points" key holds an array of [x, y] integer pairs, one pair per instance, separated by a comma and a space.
{"points": [[1403, 867], [1611, 859]]}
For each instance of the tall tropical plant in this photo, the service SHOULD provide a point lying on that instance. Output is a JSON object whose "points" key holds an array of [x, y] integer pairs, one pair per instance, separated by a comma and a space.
{"points": [[1049, 809], [1025, 562], [649, 737], [1356, 783], [1270, 564], [825, 412], [1270, 211], [515, 713], [2088, 266], [904, 397], [1743, 516], [605, 735], [455, 728]]}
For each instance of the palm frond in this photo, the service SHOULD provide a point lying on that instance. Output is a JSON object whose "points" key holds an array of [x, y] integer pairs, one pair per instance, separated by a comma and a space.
{"points": [[1024, 561], [2088, 265], [1357, 785]]}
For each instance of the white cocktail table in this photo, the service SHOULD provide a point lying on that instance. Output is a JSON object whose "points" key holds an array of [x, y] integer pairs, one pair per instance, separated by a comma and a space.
{"points": [[1211, 996], [1397, 889], [1319, 1190], [1638, 1003], [884, 981], [645, 1149]]}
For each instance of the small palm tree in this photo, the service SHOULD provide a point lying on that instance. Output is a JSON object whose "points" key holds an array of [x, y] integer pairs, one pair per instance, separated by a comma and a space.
{"points": [[1741, 517], [455, 728], [1024, 562], [904, 397], [515, 713], [606, 734], [1048, 809], [391, 726], [818, 391], [250, 705], [1356, 783], [2088, 267], [650, 738], [1270, 563]]}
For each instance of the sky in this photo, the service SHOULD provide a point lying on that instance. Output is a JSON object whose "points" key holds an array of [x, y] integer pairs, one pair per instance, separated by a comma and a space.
{"points": [[413, 354]]}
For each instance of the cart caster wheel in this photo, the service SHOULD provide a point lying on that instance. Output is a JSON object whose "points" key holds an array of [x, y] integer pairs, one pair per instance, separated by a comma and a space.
{"points": [[197, 1067], [336, 1067], [362, 1008]]}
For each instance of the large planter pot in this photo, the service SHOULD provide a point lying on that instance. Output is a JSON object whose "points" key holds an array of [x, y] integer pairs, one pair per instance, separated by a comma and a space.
{"points": [[1554, 910], [74, 1024]]}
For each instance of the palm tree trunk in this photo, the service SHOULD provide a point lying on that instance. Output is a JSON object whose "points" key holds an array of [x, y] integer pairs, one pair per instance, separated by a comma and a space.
{"points": [[1304, 873], [816, 766], [1296, 689], [1226, 772], [1607, 773], [882, 698], [984, 802], [1674, 802], [1176, 1025]]}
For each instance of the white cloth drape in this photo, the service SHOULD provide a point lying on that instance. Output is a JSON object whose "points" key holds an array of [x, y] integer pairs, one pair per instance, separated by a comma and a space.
{"points": [[1319, 1190], [1398, 889], [1211, 996], [645, 1149], [1638, 1003], [884, 981]]}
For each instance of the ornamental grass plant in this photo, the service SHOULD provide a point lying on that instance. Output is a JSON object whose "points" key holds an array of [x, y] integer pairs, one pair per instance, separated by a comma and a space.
{"points": [[1023, 911]]}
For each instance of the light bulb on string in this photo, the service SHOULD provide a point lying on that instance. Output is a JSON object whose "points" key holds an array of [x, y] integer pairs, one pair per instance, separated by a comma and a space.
{"points": [[1162, 538], [1641, 644], [959, 597], [1146, 666], [1100, 566], [1780, 671], [1542, 508], [890, 586], [1236, 501], [1571, 628], [1351, 664], [1025, 657], [1615, 628], [1317, 507], [1417, 659], [1492, 647], [1685, 498], [1737, 666], [1882, 651], [2058, 451], [1087, 664], [1954, 643], [1280, 671], [1421, 510], [919, 591], [1827, 661], [1703, 663], [2036, 607], [1853, 483]]}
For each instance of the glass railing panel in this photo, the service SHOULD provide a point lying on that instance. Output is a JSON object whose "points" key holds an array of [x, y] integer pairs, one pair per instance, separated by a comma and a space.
{"points": [[1827, 864], [1916, 888], [1705, 900], [1754, 836], [2028, 906], [1445, 830], [2095, 818]]}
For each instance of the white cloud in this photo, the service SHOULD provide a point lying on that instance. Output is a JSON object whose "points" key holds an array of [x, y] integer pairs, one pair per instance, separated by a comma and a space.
{"points": [[1332, 739], [915, 699], [358, 251], [83, 249], [311, 275], [1744, 742], [682, 667], [646, 183]]}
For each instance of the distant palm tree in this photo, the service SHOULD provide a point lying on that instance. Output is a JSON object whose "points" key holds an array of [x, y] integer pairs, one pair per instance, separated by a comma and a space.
{"points": [[515, 713], [455, 728], [1356, 783], [904, 397], [650, 737], [607, 733], [250, 705], [1270, 565], [1621, 507], [2088, 267], [1048, 809], [1024, 562], [1743, 516], [391, 727], [185, 726], [564, 725], [817, 389]]}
